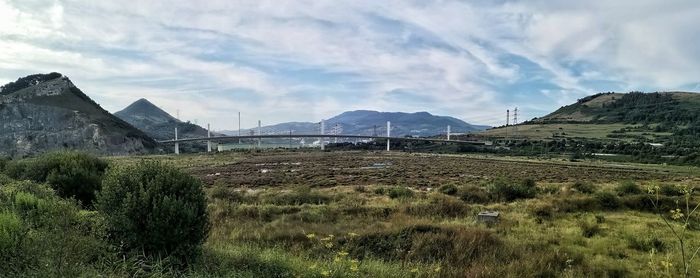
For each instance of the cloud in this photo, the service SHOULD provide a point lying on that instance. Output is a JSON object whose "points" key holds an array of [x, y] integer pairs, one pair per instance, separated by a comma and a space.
{"points": [[307, 60]]}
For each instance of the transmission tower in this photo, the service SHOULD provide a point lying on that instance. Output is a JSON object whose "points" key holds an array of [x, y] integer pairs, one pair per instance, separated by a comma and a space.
{"points": [[507, 122], [515, 122]]}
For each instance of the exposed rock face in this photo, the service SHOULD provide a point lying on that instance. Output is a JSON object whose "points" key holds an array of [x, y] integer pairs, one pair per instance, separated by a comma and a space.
{"points": [[47, 112]]}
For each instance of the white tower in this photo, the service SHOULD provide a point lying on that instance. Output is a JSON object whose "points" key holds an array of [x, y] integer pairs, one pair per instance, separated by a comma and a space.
{"points": [[208, 136], [177, 145], [323, 131], [388, 134]]}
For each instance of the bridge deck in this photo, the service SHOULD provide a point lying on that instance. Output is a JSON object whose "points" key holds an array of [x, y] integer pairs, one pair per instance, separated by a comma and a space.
{"points": [[219, 138]]}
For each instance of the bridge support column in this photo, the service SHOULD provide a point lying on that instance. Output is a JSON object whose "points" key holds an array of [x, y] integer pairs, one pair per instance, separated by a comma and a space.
{"points": [[388, 134], [177, 145], [323, 131], [208, 136], [259, 133]]}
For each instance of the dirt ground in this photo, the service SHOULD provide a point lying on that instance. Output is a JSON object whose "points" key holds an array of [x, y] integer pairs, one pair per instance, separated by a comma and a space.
{"points": [[327, 169]]}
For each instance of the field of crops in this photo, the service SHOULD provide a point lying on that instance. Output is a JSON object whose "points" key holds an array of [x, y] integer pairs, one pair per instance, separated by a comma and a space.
{"points": [[377, 214]]}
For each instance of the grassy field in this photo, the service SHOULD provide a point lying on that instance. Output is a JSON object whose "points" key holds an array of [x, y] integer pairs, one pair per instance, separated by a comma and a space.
{"points": [[548, 131], [586, 131], [377, 214]]}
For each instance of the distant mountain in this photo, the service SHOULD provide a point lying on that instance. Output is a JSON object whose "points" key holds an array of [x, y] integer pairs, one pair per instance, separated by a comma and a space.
{"points": [[44, 112], [365, 122], [157, 123]]}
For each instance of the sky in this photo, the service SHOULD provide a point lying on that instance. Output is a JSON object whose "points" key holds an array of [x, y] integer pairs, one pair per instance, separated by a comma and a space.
{"points": [[279, 61]]}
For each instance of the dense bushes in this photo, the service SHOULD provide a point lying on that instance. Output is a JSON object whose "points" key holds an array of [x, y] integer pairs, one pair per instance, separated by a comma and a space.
{"points": [[628, 188], [42, 235], [398, 192], [448, 189], [506, 190], [155, 209], [3, 163], [72, 174], [583, 187], [428, 243], [301, 196]]}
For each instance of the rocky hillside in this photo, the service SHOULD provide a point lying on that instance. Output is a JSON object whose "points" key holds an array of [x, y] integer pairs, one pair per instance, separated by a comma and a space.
{"points": [[157, 123], [44, 112]]}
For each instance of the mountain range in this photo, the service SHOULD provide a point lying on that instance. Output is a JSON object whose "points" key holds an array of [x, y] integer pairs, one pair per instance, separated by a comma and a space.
{"points": [[366, 122]]}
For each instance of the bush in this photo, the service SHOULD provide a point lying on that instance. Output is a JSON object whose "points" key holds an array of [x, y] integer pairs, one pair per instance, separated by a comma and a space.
{"points": [[438, 206], [42, 235], [3, 163], [671, 190], [542, 211], [583, 187], [506, 190], [607, 200], [301, 196], [628, 188], [588, 228], [380, 191], [646, 244], [474, 194], [428, 243], [399, 192], [72, 174], [155, 209], [448, 189]]}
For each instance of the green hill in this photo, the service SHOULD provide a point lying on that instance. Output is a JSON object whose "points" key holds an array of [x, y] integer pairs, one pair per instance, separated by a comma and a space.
{"points": [[631, 117]]}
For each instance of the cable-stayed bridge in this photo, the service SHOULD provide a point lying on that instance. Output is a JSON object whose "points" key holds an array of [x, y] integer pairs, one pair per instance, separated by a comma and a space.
{"points": [[209, 139]]}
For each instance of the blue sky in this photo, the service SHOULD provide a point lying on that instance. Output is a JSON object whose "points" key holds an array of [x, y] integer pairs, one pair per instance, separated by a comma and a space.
{"points": [[281, 61]]}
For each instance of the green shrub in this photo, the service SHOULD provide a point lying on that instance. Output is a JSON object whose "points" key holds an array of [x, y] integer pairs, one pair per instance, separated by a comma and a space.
{"points": [[588, 228], [221, 192], [583, 187], [607, 200], [72, 174], [542, 210], [300, 196], [155, 209], [628, 188], [42, 235], [438, 206], [506, 190], [448, 189], [399, 192], [577, 204], [5, 179], [474, 194], [646, 244], [428, 243], [380, 191], [11, 232], [670, 190], [3, 163]]}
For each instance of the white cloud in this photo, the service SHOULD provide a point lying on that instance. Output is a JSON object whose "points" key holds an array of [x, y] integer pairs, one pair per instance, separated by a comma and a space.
{"points": [[219, 57]]}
